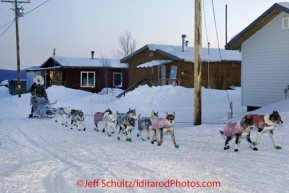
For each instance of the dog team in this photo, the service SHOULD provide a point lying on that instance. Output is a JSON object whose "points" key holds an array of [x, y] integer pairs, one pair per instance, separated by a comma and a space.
{"points": [[105, 121], [127, 121]]}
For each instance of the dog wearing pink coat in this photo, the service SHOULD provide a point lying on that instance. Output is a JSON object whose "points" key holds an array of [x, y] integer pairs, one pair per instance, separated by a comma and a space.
{"points": [[163, 125], [238, 129]]}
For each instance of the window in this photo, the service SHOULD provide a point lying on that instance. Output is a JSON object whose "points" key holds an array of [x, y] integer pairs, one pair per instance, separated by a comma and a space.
{"points": [[117, 79], [87, 79], [285, 23]]}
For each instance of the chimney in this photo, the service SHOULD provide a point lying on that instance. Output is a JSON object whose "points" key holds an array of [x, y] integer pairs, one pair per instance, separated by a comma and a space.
{"points": [[183, 43], [54, 51], [92, 53]]}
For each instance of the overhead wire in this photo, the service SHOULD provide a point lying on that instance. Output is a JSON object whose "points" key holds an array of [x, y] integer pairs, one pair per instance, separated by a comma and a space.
{"points": [[24, 14], [4, 13], [205, 21], [3, 7], [220, 50], [7, 28]]}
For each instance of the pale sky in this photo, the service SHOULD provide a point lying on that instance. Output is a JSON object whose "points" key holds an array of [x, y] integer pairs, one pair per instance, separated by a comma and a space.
{"points": [[77, 27]]}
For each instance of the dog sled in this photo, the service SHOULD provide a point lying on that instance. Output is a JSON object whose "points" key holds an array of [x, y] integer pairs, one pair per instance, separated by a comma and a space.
{"points": [[42, 108]]}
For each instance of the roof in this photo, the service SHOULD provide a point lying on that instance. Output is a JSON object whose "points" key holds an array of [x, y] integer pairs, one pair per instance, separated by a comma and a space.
{"points": [[86, 62], [236, 42], [175, 53], [153, 63]]}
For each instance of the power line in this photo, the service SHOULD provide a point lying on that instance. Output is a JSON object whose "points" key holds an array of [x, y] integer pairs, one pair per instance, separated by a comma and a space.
{"points": [[3, 7], [219, 47], [205, 21], [24, 14], [4, 13], [9, 18], [36, 7], [7, 28]]}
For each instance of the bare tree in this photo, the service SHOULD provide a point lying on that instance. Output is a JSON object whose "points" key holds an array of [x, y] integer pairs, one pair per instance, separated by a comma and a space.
{"points": [[127, 45], [105, 64]]}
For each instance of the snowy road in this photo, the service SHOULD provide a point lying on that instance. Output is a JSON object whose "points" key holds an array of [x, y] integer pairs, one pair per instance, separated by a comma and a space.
{"points": [[39, 155]]}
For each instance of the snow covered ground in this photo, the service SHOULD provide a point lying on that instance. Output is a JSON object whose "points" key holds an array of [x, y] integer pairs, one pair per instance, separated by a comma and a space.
{"points": [[39, 155]]}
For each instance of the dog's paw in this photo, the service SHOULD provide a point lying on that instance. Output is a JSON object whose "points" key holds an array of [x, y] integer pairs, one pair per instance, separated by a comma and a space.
{"points": [[103, 130], [226, 147], [254, 143], [137, 135], [152, 142], [55, 121], [236, 150], [71, 128], [118, 138], [129, 139], [255, 149], [278, 147], [84, 129], [142, 139], [177, 146], [112, 132], [148, 138], [159, 143]]}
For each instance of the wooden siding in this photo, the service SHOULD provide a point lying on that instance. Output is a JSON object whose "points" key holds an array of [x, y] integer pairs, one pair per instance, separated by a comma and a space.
{"points": [[139, 73], [71, 76], [222, 74], [265, 64]]}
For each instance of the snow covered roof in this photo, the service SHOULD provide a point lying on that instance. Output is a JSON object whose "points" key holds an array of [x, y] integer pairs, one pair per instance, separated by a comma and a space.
{"points": [[175, 53], [208, 55], [87, 62], [236, 42], [153, 63]]}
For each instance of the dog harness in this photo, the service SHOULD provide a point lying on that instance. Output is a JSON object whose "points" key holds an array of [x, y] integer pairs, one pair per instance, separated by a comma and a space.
{"points": [[160, 123], [261, 121], [232, 128]]}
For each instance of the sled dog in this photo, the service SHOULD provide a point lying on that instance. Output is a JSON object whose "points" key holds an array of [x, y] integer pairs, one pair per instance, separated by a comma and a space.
{"points": [[77, 118], [108, 121], [145, 123], [64, 112], [126, 123], [238, 129], [163, 125], [98, 118], [266, 122]]}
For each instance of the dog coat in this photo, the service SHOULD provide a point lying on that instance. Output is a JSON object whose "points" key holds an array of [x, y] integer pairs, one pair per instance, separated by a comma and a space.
{"points": [[144, 123], [260, 120], [232, 128], [159, 123], [98, 117]]}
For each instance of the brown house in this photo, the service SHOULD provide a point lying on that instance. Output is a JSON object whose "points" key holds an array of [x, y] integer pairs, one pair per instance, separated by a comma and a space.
{"points": [[166, 64], [88, 74]]}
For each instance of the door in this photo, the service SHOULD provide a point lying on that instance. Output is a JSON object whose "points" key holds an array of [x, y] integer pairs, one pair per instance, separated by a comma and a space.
{"points": [[173, 75]]}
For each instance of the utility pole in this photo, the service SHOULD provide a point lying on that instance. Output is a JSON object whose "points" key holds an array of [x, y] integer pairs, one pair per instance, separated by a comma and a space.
{"points": [[18, 13], [198, 64]]}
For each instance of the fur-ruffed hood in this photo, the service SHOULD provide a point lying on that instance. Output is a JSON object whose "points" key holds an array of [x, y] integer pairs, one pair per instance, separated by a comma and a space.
{"points": [[38, 77]]}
